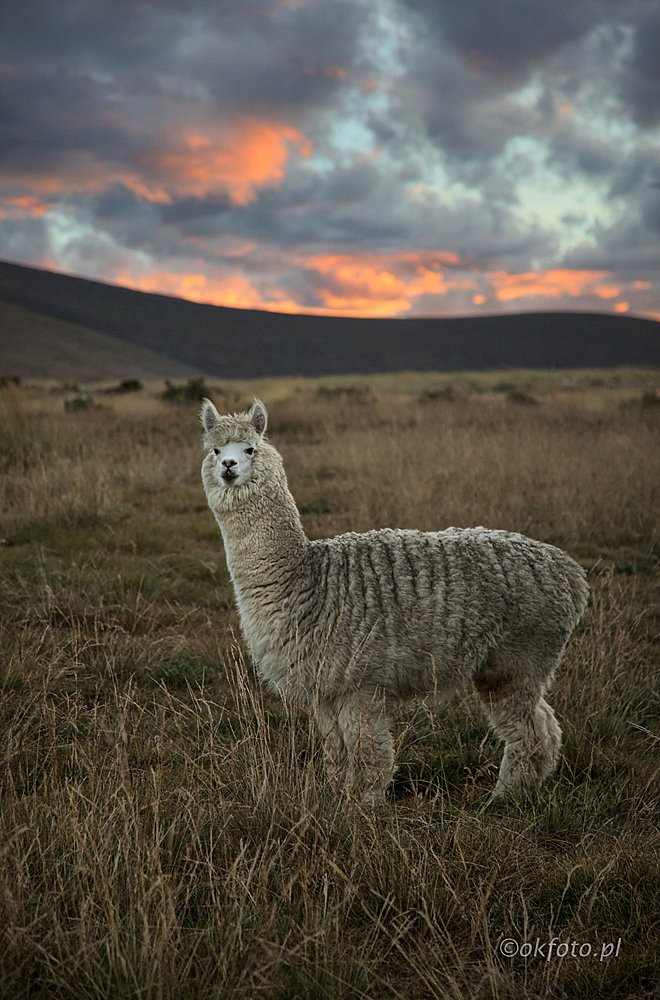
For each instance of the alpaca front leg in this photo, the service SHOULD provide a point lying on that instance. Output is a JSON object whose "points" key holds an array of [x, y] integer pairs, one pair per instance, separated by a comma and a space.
{"points": [[370, 747]]}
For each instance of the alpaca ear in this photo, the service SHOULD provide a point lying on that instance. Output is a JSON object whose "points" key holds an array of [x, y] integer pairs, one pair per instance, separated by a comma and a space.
{"points": [[259, 417], [209, 415]]}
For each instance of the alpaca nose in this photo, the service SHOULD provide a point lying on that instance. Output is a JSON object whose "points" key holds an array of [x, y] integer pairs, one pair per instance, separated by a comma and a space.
{"points": [[228, 462]]}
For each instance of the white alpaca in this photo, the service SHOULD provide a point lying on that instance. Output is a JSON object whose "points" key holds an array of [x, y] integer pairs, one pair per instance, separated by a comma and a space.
{"points": [[349, 626]]}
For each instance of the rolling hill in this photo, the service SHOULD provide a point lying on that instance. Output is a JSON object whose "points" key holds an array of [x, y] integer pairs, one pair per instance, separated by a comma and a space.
{"points": [[33, 345], [244, 343]]}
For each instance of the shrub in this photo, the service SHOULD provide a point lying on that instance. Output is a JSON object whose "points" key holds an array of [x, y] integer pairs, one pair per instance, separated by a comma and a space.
{"points": [[193, 392], [127, 385]]}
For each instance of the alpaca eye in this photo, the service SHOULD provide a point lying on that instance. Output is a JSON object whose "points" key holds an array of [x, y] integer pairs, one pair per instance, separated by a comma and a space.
{"points": [[249, 451], [216, 451]]}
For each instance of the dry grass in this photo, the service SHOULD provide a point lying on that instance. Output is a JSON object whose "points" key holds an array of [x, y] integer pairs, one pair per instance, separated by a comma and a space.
{"points": [[165, 828]]}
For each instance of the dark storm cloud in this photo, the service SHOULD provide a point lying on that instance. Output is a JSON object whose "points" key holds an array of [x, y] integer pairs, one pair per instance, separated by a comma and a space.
{"points": [[286, 60], [259, 54], [506, 38], [187, 212], [641, 85], [338, 200], [176, 136], [469, 57], [118, 82]]}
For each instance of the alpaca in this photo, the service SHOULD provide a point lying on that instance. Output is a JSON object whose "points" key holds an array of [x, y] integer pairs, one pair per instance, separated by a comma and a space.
{"points": [[347, 627]]}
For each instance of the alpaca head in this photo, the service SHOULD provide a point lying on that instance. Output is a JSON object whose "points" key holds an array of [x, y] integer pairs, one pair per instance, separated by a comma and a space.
{"points": [[233, 442]]}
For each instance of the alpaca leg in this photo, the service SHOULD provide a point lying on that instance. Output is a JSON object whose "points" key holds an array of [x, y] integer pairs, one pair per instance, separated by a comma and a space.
{"points": [[370, 746], [335, 756], [523, 719], [531, 751]]}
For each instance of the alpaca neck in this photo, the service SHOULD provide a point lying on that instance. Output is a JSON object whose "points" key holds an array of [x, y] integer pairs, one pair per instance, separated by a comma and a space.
{"points": [[265, 532]]}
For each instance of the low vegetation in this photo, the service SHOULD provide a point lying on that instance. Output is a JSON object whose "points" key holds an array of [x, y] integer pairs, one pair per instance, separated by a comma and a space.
{"points": [[165, 827], [194, 390]]}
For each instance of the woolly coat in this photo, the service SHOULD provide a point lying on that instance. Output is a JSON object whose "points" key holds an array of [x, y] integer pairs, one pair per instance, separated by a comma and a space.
{"points": [[391, 613]]}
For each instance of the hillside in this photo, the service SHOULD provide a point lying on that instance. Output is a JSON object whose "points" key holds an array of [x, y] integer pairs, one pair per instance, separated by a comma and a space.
{"points": [[242, 343], [33, 345]]}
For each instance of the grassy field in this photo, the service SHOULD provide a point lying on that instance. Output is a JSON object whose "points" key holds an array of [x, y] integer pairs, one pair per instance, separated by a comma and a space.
{"points": [[165, 827]]}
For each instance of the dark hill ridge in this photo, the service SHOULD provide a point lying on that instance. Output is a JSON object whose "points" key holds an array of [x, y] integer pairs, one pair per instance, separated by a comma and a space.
{"points": [[248, 343]]}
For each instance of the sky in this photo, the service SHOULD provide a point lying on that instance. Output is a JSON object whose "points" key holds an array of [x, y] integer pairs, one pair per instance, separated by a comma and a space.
{"points": [[338, 157]]}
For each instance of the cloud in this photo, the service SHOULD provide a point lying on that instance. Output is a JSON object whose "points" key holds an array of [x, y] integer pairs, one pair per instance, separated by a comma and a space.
{"points": [[550, 284], [226, 290], [379, 285], [28, 206], [640, 86], [365, 157], [505, 38], [237, 160]]}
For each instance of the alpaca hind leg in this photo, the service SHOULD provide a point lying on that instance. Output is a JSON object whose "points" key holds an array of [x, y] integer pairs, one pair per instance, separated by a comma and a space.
{"points": [[553, 731], [370, 746], [518, 713], [335, 755], [531, 751]]}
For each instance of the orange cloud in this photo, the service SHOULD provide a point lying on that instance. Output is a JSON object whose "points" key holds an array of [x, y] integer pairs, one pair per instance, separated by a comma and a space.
{"points": [[607, 291], [82, 174], [547, 284], [28, 205], [360, 285], [240, 160], [357, 285], [381, 285], [233, 290]]}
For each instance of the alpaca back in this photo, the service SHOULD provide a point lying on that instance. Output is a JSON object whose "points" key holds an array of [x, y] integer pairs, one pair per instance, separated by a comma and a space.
{"points": [[412, 611]]}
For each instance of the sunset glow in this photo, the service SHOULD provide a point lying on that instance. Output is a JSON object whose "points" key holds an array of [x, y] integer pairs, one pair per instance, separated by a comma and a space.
{"points": [[238, 161], [382, 159], [28, 205], [370, 285], [545, 284]]}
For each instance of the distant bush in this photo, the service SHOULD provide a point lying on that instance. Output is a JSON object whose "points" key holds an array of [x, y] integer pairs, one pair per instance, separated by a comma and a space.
{"points": [[128, 385], [648, 403], [6, 380], [193, 392], [358, 392], [79, 401], [449, 392], [649, 400], [521, 398]]}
